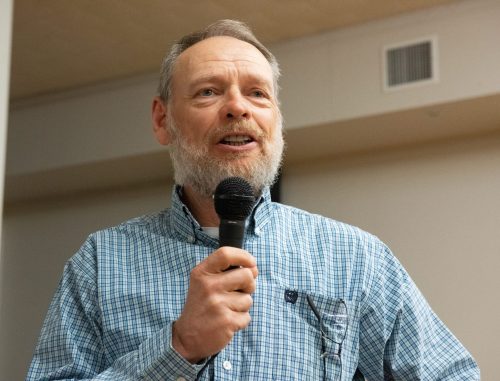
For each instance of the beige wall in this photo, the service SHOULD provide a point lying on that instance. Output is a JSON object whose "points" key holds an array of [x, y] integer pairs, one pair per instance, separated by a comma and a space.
{"points": [[342, 70]]}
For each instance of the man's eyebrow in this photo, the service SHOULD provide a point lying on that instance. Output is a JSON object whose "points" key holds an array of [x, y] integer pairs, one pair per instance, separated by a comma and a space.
{"points": [[253, 79]]}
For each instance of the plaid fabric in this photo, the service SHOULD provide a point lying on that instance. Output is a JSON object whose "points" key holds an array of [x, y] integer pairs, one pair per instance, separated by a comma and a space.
{"points": [[111, 316]]}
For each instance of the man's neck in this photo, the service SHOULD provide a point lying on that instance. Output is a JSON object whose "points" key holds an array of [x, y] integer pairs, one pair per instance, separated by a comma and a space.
{"points": [[202, 208]]}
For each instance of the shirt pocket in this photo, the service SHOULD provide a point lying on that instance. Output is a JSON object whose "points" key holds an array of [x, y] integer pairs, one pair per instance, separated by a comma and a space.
{"points": [[289, 335]]}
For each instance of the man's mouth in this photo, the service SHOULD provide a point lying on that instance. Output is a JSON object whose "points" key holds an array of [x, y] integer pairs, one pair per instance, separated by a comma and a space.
{"points": [[237, 140]]}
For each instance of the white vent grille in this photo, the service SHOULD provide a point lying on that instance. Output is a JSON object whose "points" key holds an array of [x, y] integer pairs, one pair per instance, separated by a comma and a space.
{"points": [[411, 63]]}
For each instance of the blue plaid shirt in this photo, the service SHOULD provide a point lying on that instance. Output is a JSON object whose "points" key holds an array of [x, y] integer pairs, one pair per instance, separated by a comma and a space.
{"points": [[331, 303]]}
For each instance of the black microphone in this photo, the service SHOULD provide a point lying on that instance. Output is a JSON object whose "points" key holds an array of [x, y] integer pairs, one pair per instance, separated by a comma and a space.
{"points": [[233, 200]]}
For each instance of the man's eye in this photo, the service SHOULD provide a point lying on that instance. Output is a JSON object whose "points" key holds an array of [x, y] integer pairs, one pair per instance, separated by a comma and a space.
{"points": [[206, 92], [258, 93]]}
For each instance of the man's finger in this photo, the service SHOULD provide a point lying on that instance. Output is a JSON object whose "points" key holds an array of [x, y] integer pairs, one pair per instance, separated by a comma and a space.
{"points": [[240, 279], [240, 320], [227, 257], [239, 302]]}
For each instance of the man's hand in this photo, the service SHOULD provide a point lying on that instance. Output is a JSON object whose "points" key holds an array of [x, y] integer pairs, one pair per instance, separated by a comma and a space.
{"points": [[217, 303]]}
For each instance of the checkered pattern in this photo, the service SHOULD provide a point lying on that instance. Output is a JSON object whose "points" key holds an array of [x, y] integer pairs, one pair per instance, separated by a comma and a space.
{"points": [[111, 316]]}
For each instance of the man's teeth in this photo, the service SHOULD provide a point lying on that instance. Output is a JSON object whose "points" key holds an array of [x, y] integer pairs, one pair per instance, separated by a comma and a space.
{"points": [[237, 140]]}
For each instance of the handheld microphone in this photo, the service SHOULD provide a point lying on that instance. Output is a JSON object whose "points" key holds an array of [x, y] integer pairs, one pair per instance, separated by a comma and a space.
{"points": [[233, 200]]}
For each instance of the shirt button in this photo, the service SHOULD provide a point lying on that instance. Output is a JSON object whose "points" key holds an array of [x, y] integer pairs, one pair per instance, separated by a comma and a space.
{"points": [[227, 365], [190, 239], [181, 379]]}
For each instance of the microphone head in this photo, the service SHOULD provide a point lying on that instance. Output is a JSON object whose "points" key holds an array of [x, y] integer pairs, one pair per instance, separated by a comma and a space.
{"points": [[234, 199]]}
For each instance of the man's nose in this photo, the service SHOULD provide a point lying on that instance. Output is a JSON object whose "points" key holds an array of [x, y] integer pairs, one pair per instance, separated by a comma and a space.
{"points": [[236, 107]]}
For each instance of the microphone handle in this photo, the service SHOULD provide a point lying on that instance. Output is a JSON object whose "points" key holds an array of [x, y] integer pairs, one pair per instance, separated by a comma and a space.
{"points": [[231, 233]]}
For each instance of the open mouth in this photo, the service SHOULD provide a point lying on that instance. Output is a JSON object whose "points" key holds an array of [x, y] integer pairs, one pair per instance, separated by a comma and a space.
{"points": [[237, 140]]}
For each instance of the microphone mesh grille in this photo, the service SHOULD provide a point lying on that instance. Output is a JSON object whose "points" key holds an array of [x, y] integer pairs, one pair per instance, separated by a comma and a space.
{"points": [[234, 199]]}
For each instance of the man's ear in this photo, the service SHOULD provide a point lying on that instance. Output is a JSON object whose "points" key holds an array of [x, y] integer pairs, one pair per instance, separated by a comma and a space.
{"points": [[160, 119]]}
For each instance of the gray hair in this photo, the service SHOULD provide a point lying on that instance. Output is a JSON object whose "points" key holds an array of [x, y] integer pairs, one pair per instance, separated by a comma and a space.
{"points": [[229, 28]]}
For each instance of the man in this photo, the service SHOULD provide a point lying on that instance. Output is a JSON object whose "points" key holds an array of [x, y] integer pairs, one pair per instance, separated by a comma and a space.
{"points": [[308, 299]]}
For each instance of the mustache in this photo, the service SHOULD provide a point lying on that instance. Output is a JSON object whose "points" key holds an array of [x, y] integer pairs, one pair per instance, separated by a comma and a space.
{"points": [[240, 127]]}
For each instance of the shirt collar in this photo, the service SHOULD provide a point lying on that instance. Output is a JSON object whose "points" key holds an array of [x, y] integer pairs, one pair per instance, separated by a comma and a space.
{"points": [[189, 230]]}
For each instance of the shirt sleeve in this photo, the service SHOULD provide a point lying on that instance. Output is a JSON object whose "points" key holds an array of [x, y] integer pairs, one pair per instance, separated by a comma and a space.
{"points": [[402, 338], [70, 346]]}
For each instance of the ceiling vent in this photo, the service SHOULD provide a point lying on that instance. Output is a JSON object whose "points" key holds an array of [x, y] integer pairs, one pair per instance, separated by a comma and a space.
{"points": [[408, 64]]}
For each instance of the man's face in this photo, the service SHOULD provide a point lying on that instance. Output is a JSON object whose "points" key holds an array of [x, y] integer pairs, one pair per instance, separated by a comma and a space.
{"points": [[223, 116]]}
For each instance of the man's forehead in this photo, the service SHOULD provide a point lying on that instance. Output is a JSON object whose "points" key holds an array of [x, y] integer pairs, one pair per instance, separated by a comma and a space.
{"points": [[221, 49]]}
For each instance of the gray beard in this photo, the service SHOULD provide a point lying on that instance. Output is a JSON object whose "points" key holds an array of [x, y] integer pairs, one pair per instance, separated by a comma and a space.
{"points": [[194, 167]]}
